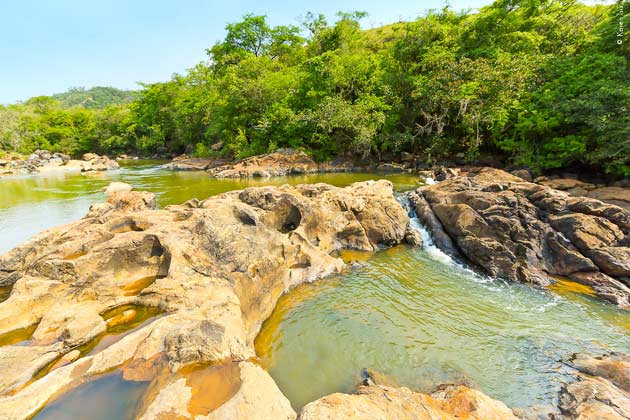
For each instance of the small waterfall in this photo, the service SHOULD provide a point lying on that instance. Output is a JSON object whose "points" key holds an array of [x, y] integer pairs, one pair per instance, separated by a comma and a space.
{"points": [[427, 241]]}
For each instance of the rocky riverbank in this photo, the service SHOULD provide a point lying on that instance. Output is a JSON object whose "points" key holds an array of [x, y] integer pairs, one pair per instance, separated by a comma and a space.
{"points": [[528, 232], [213, 268], [282, 162], [44, 161]]}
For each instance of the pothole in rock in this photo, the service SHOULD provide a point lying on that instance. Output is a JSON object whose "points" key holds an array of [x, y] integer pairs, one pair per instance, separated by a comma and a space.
{"points": [[212, 385], [5, 292], [105, 398], [20, 336], [129, 225], [121, 322]]}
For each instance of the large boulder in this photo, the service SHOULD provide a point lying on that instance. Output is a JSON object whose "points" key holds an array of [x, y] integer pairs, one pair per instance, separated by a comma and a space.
{"points": [[527, 232], [377, 402], [214, 269]]}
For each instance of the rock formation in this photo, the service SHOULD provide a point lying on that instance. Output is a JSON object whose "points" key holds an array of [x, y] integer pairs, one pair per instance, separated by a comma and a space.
{"points": [[528, 232], [602, 389], [211, 269], [376, 402], [279, 163], [45, 161]]}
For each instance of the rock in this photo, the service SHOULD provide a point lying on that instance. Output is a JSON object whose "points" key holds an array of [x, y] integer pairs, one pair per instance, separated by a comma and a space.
{"points": [[413, 237], [614, 261], [614, 367], [442, 173], [566, 184], [90, 156], [217, 146], [527, 232], [619, 196], [524, 174], [390, 167], [214, 268], [601, 389], [115, 186], [124, 202], [194, 164], [383, 402], [280, 163]]}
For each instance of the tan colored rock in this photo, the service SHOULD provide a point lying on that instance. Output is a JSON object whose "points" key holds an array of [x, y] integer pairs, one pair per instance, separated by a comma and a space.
{"points": [[90, 156], [566, 184], [117, 187], [524, 174], [614, 367], [194, 164], [280, 163], [215, 268], [381, 402], [594, 398], [619, 196]]}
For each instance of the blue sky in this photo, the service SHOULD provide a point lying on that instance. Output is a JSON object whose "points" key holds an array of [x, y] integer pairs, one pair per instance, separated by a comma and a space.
{"points": [[49, 46]]}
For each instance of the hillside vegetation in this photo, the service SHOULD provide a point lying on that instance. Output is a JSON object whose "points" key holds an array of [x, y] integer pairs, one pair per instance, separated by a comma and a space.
{"points": [[98, 97], [542, 83]]}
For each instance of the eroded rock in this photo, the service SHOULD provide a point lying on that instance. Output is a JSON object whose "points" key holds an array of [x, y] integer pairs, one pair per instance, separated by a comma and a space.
{"points": [[215, 268], [378, 402], [527, 232], [280, 163]]}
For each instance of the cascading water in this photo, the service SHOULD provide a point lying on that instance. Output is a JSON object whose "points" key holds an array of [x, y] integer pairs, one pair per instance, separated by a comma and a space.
{"points": [[423, 319]]}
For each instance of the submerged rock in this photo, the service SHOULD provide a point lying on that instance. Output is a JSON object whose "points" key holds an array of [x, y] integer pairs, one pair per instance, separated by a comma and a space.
{"points": [[215, 268], [527, 232]]}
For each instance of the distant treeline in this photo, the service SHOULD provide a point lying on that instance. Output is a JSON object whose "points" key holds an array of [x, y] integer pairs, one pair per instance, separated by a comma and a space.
{"points": [[541, 83]]}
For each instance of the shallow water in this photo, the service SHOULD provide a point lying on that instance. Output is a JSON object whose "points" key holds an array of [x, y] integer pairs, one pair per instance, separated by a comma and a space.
{"points": [[415, 316], [406, 312], [32, 203], [108, 397]]}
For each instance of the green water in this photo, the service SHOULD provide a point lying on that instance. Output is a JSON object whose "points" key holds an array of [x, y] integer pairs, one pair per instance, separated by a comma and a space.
{"points": [[418, 318], [32, 203], [409, 313]]}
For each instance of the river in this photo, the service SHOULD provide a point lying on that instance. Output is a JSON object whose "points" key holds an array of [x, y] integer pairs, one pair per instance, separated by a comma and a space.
{"points": [[412, 314]]}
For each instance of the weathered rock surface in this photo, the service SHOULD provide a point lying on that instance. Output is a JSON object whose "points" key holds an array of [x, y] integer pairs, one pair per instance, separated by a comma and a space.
{"points": [[619, 196], [185, 163], [602, 389], [376, 402], [528, 232], [279, 163], [45, 161], [215, 268]]}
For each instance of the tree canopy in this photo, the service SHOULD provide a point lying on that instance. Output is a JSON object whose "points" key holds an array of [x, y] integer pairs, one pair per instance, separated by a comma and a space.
{"points": [[544, 83]]}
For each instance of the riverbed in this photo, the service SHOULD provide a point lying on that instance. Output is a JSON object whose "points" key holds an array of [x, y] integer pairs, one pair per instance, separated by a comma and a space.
{"points": [[412, 314]]}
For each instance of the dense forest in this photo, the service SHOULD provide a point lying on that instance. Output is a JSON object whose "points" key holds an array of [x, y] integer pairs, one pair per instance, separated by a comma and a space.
{"points": [[544, 83]]}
